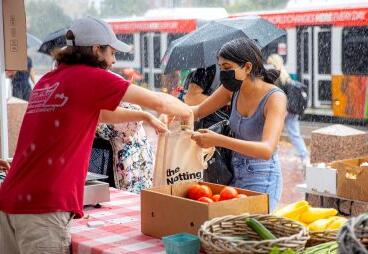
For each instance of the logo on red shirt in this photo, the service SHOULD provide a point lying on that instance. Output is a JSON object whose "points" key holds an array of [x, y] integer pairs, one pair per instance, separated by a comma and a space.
{"points": [[46, 99]]}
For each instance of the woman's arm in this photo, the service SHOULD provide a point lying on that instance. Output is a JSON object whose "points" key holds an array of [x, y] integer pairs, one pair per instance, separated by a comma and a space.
{"points": [[121, 115], [217, 100], [160, 102], [275, 112]]}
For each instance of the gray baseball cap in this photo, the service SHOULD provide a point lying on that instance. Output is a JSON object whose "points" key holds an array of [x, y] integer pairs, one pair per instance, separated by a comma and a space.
{"points": [[90, 31]]}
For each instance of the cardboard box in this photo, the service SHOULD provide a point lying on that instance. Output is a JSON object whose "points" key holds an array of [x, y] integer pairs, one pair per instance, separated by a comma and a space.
{"points": [[352, 179], [337, 142], [166, 211], [16, 111], [321, 178], [15, 37], [96, 192]]}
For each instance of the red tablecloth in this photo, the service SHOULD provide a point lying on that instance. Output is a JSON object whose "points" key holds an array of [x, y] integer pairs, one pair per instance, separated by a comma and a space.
{"points": [[120, 232]]}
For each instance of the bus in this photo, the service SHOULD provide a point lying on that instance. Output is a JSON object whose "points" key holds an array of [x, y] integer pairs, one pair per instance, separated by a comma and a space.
{"points": [[151, 34], [326, 48]]}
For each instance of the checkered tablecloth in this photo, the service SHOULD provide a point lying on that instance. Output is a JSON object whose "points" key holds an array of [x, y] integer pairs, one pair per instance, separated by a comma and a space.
{"points": [[120, 232]]}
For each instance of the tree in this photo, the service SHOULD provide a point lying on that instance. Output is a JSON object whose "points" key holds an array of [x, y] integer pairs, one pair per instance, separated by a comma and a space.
{"points": [[208, 3], [44, 17], [92, 10], [251, 5], [126, 8]]}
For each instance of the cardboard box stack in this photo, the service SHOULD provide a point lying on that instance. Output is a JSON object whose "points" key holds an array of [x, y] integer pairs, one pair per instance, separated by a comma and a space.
{"points": [[352, 178], [321, 178], [15, 38], [16, 111], [332, 143]]}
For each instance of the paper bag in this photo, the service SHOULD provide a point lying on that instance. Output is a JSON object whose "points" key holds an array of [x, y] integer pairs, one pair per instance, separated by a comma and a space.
{"points": [[179, 158]]}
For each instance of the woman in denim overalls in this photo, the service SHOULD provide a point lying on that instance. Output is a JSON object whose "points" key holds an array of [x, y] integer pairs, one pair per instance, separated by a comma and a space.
{"points": [[257, 118]]}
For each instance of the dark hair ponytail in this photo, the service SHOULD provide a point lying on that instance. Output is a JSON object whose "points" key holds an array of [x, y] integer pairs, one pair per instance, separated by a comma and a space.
{"points": [[70, 35], [243, 50], [270, 76]]}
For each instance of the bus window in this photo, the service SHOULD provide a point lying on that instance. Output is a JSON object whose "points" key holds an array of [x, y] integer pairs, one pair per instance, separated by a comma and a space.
{"points": [[305, 52], [157, 51], [128, 39], [157, 77], [324, 52], [145, 51], [355, 50]]}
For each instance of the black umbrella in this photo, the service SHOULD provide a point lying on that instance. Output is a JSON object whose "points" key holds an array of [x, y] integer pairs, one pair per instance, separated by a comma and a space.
{"points": [[33, 41], [199, 48], [55, 39]]}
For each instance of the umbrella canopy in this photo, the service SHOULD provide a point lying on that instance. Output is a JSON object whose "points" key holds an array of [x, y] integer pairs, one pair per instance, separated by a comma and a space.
{"points": [[55, 39], [199, 48], [33, 41]]}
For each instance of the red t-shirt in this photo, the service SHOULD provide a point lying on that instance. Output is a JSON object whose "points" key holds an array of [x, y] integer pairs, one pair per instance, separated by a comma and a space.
{"points": [[51, 159]]}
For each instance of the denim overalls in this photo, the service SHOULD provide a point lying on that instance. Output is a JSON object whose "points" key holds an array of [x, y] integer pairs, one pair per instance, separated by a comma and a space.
{"points": [[250, 173]]}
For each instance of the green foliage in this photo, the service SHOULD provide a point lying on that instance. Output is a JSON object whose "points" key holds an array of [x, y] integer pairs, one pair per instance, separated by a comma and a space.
{"points": [[251, 5], [126, 8], [208, 3], [44, 17], [91, 10]]}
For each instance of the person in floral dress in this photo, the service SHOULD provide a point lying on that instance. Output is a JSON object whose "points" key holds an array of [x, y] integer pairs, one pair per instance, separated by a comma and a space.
{"points": [[133, 158]]}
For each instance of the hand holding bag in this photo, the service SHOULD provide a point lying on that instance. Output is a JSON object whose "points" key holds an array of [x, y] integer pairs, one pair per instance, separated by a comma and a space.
{"points": [[179, 158]]}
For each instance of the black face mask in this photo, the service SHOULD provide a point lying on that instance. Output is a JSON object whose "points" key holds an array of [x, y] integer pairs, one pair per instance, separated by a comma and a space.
{"points": [[229, 81]]}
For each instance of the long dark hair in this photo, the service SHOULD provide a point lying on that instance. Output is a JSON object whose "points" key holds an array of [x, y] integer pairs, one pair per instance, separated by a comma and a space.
{"points": [[243, 50], [79, 54]]}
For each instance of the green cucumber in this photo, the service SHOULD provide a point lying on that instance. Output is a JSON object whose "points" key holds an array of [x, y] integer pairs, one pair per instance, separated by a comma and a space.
{"points": [[261, 230]]}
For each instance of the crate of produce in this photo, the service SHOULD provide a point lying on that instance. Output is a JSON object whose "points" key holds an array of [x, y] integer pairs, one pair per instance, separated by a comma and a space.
{"points": [[184, 207]]}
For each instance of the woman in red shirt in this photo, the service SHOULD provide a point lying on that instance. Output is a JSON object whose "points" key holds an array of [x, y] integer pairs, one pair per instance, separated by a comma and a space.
{"points": [[43, 189]]}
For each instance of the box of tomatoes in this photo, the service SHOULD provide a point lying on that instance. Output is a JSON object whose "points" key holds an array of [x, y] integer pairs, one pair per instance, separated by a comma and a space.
{"points": [[183, 207]]}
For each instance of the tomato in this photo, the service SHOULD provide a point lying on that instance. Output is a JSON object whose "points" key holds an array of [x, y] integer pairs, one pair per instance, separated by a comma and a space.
{"points": [[192, 191], [197, 191], [206, 191], [205, 200], [241, 196], [216, 197], [228, 193]]}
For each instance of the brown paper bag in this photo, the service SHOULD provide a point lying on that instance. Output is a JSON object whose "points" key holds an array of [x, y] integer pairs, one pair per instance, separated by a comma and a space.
{"points": [[179, 158]]}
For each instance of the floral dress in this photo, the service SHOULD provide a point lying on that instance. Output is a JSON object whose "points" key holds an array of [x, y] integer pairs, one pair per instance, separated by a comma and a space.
{"points": [[133, 158]]}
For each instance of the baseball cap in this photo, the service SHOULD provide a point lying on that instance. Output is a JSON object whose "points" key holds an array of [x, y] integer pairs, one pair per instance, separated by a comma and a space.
{"points": [[90, 31]]}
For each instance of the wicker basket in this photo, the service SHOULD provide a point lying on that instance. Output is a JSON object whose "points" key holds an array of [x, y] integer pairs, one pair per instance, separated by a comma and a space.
{"points": [[318, 237], [353, 236], [361, 233], [214, 234]]}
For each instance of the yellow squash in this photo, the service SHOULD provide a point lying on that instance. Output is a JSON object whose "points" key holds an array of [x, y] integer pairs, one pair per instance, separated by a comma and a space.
{"points": [[293, 211], [336, 223], [313, 214], [319, 225]]}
